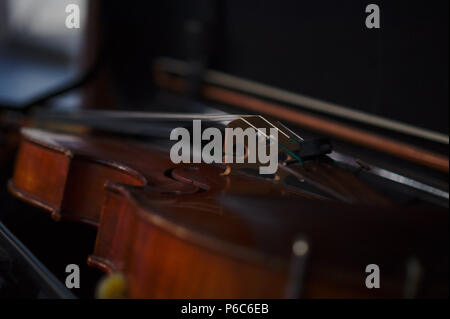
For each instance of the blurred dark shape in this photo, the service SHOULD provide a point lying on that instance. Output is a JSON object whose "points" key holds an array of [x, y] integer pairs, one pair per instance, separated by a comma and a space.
{"points": [[38, 53]]}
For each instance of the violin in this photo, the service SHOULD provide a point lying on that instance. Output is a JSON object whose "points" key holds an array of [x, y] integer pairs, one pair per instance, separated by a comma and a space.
{"points": [[201, 230]]}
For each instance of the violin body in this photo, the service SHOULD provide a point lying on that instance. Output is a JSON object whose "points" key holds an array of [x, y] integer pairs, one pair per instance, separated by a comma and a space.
{"points": [[191, 231]]}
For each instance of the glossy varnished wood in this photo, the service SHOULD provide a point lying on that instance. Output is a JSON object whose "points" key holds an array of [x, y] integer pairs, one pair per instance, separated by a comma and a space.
{"points": [[187, 231]]}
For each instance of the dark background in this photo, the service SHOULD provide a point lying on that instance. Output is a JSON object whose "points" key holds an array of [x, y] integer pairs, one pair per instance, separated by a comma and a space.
{"points": [[317, 48]]}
